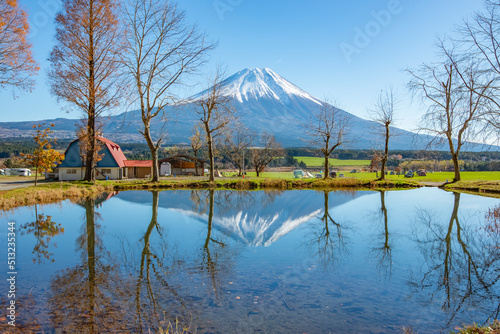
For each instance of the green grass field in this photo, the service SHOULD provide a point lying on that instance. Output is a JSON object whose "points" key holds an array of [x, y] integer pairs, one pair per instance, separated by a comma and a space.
{"points": [[431, 177], [313, 162]]}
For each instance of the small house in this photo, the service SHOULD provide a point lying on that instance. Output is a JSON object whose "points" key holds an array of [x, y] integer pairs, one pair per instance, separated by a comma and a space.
{"points": [[110, 166], [138, 169], [184, 165]]}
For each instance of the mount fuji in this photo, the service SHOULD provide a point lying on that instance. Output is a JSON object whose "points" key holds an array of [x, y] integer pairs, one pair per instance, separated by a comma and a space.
{"points": [[263, 100]]}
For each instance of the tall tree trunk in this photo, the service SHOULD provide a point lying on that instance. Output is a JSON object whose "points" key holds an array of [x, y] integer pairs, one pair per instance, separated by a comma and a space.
{"points": [[210, 155], [36, 172], [90, 157], [89, 168], [386, 152], [195, 162], [154, 152], [327, 166], [257, 171], [456, 166]]}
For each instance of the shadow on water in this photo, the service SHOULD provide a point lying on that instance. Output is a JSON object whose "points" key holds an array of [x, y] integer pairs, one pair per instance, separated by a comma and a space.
{"points": [[461, 270]]}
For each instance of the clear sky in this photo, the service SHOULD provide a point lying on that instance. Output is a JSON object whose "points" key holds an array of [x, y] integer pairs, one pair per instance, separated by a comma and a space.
{"points": [[345, 50]]}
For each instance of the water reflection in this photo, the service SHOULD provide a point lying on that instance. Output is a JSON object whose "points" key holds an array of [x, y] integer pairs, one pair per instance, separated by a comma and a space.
{"points": [[460, 274], [89, 297], [153, 285], [326, 240], [224, 261], [43, 229], [382, 252]]}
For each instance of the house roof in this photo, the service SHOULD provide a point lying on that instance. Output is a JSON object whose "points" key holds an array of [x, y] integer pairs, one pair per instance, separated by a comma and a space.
{"points": [[138, 163], [180, 157], [115, 151]]}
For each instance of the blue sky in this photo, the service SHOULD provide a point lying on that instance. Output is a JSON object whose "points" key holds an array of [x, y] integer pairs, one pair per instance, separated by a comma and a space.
{"points": [[345, 50]]}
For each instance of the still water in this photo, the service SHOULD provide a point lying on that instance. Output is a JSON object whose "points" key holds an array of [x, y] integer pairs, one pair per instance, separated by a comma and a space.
{"points": [[255, 262]]}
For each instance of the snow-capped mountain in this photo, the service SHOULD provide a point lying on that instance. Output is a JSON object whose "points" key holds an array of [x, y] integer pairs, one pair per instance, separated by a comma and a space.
{"points": [[257, 84], [263, 100]]}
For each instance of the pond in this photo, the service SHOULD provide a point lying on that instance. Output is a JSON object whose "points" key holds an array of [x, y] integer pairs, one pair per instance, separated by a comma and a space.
{"points": [[255, 262]]}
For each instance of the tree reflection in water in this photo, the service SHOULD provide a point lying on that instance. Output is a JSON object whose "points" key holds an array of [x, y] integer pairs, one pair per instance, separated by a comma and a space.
{"points": [[156, 298], [327, 240], [216, 260], [43, 229], [90, 297], [461, 271], [160, 293], [383, 251]]}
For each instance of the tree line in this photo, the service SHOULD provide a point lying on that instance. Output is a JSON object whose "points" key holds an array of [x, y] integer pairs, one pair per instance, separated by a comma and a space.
{"points": [[110, 54]]}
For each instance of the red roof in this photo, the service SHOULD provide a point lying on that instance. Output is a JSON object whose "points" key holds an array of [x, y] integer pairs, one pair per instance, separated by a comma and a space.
{"points": [[138, 163], [115, 151]]}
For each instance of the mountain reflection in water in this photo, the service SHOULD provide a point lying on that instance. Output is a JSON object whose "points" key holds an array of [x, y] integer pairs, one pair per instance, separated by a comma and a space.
{"points": [[271, 262]]}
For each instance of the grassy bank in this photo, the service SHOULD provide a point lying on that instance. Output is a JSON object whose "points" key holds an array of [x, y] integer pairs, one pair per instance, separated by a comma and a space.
{"points": [[49, 193], [486, 183], [476, 187], [56, 191]]}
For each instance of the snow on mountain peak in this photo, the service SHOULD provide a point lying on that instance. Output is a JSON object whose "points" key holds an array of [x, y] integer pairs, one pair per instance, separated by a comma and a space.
{"points": [[257, 83]]}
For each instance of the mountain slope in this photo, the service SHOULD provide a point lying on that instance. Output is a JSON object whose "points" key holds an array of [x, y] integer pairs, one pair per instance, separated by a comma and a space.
{"points": [[264, 101]]}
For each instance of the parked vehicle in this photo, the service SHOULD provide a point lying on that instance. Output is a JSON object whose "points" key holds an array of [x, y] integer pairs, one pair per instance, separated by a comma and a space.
{"points": [[23, 172], [353, 171], [319, 176], [18, 172], [341, 175], [2, 172], [298, 174], [409, 174]]}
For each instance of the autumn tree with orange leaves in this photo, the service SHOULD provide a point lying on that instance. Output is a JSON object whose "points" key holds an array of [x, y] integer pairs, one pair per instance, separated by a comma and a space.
{"points": [[44, 158], [17, 65], [86, 63]]}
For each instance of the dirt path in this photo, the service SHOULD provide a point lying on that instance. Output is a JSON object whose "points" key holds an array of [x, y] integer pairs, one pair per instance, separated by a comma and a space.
{"points": [[9, 183]]}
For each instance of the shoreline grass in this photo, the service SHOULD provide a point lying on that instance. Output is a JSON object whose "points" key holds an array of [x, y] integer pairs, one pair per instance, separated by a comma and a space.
{"points": [[487, 188], [486, 183], [52, 192]]}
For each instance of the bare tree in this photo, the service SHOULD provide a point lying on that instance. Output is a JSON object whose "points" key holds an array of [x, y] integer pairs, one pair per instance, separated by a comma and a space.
{"points": [[162, 49], [483, 41], [86, 67], [236, 142], [271, 149], [196, 142], [327, 129], [456, 90], [216, 113], [383, 114]]}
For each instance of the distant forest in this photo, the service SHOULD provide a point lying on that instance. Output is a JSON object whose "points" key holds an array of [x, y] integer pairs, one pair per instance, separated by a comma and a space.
{"points": [[474, 161]]}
